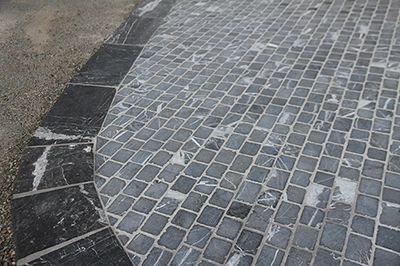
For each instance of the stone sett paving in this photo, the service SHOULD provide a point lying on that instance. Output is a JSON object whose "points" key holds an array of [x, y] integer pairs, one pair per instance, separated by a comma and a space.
{"points": [[259, 133]]}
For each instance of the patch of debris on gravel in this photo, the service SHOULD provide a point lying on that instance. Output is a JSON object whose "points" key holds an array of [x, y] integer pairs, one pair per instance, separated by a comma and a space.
{"points": [[43, 44]]}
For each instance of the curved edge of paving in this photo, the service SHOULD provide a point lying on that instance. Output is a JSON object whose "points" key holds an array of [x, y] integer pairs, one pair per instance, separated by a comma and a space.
{"points": [[57, 215]]}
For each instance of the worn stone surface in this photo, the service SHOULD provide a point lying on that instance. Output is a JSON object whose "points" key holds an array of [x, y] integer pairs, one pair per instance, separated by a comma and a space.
{"points": [[257, 132], [265, 127]]}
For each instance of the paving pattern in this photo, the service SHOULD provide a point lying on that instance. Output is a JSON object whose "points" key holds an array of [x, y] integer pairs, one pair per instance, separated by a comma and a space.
{"points": [[259, 133]]}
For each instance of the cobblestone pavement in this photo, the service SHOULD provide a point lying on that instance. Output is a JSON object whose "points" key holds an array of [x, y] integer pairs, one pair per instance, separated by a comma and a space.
{"points": [[259, 132], [252, 132]]}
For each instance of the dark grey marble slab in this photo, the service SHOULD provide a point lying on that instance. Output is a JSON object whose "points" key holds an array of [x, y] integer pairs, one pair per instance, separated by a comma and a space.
{"points": [[101, 248], [76, 116], [135, 31], [54, 166], [47, 219], [154, 8], [108, 65]]}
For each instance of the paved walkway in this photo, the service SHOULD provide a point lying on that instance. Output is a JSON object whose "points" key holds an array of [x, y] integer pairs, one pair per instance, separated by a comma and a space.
{"points": [[245, 133]]}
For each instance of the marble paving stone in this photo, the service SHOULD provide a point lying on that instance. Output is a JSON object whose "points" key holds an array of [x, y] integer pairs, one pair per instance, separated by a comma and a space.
{"points": [[102, 246], [76, 117], [108, 65], [46, 219], [54, 166]]}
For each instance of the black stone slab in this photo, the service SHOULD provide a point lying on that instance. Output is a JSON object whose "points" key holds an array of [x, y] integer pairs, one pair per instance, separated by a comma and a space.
{"points": [[54, 166], [47, 219], [101, 248], [135, 31], [76, 116], [108, 65], [151, 8]]}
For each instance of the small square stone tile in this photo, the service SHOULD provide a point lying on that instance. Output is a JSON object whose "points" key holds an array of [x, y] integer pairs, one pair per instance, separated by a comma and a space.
{"points": [[171, 238], [325, 257], [287, 214], [120, 205], [131, 222], [184, 218], [241, 163], [359, 249], [333, 236], [144, 205], [277, 179], [221, 198], [168, 205], [295, 194], [383, 257], [229, 228], [388, 238], [157, 255], [210, 216], [198, 236], [217, 250], [194, 201], [156, 190], [305, 237], [260, 218], [366, 205], [135, 188], [140, 244], [298, 256], [183, 184], [155, 224], [206, 185], [249, 241], [279, 236], [239, 210], [270, 256], [186, 256], [248, 192]]}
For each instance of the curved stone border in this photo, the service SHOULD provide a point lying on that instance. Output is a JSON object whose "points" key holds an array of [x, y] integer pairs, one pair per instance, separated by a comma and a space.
{"points": [[57, 214]]}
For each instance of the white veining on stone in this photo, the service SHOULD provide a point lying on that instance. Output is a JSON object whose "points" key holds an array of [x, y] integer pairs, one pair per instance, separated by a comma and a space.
{"points": [[149, 7], [40, 168], [234, 260], [345, 190], [46, 134]]}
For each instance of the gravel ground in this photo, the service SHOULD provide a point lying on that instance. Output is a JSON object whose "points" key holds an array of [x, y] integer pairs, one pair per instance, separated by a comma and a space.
{"points": [[42, 45]]}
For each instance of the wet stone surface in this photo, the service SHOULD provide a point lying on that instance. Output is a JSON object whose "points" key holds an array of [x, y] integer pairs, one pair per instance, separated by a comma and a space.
{"points": [[256, 133]]}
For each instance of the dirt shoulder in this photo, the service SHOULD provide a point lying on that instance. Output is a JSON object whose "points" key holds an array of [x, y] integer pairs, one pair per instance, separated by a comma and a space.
{"points": [[42, 45]]}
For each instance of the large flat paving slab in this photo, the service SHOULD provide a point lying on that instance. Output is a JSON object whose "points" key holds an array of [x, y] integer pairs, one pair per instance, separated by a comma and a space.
{"points": [[245, 133]]}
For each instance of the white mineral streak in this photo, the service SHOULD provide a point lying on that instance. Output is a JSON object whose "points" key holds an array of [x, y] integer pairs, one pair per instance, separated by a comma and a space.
{"points": [[149, 7], [175, 195], [45, 133], [234, 260], [335, 36], [183, 259], [100, 211], [380, 63], [362, 103], [387, 102], [272, 232], [345, 190], [363, 31], [178, 158], [284, 118], [40, 169], [222, 131], [259, 47], [299, 43], [334, 99], [312, 197], [212, 8]]}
